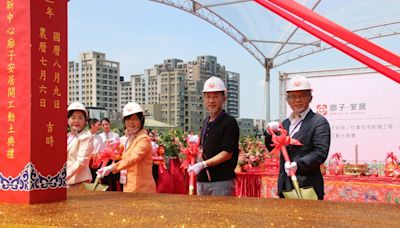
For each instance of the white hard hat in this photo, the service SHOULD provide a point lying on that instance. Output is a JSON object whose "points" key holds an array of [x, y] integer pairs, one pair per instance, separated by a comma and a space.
{"points": [[214, 84], [297, 83], [76, 105], [131, 108]]}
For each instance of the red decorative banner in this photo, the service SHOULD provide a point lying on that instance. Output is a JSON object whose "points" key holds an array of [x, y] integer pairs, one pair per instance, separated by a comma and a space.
{"points": [[33, 91]]}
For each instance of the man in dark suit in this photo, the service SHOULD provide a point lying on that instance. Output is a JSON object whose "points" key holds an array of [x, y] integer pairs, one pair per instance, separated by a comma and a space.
{"points": [[312, 130]]}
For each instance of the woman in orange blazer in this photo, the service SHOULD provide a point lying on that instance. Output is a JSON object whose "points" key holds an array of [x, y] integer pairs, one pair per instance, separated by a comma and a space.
{"points": [[137, 160]]}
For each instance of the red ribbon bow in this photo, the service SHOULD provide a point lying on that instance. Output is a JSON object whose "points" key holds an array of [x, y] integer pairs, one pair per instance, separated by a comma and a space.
{"points": [[110, 153], [393, 157], [337, 156], [282, 140], [392, 169], [191, 152]]}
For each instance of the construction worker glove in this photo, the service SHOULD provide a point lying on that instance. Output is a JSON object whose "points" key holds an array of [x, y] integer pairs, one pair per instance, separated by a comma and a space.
{"points": [[196, 168], [193, 139], [290, 166], [154, 147], [105, 171], [273, 125]]}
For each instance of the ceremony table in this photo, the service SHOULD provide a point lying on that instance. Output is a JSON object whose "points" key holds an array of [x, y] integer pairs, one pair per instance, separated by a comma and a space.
{"points": [[249, 184], [117, 209], [337, 188]]}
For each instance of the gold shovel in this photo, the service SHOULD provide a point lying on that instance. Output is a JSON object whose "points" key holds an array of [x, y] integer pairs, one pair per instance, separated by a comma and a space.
{"points": [[280, 144], [297, 192], [96, 186]]}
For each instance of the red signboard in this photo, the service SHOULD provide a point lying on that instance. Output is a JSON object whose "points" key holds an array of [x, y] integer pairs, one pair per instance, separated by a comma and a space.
{"points": [[33, 91]]}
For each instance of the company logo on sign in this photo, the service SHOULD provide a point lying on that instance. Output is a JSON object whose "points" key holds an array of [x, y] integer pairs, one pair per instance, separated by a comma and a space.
{"points": [[348, 109], [322, 109]]}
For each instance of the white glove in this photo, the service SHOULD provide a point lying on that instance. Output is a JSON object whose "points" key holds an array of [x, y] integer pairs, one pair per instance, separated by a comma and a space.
{"points": [[290, 166], [196, 168], [193, 139], [273, 125], [154, 147], [105, 171]]}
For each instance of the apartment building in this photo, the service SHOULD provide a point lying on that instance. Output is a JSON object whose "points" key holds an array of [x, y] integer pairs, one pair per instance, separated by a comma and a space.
{"points": [[172, 89], [193, 106], [125, 93], [172, 98], [233, 93], [134, 90], [94, 81], [250, 126], [177, 86]]}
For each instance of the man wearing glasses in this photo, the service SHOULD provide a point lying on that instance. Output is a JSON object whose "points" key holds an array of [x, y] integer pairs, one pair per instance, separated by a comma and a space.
{"points": [[312, 130]]}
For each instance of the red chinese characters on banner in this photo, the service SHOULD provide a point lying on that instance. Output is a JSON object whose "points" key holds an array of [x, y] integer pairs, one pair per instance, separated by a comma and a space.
{"points": [[33, 55]]}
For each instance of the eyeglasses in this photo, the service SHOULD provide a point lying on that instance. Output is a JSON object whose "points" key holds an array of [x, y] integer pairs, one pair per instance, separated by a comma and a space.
{"points": [[299, 96]]}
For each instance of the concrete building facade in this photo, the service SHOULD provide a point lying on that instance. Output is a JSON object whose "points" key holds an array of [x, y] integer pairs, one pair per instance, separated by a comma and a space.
{"points": [[249, 126], [172, 98], [94, 81], [171, 91], [233, 93], [134, 90], [177, 86]]}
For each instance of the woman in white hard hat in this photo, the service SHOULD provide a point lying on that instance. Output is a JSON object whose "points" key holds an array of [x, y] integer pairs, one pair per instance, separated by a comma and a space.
{"points": [[137, 160], [79, 146]]}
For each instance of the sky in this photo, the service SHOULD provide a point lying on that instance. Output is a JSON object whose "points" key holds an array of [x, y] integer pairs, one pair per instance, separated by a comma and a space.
{"points": [[142, 33]]}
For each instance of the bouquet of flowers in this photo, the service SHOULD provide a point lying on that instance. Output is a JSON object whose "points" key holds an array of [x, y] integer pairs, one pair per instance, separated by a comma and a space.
{"points": [[172, 142], [251, 153]]}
